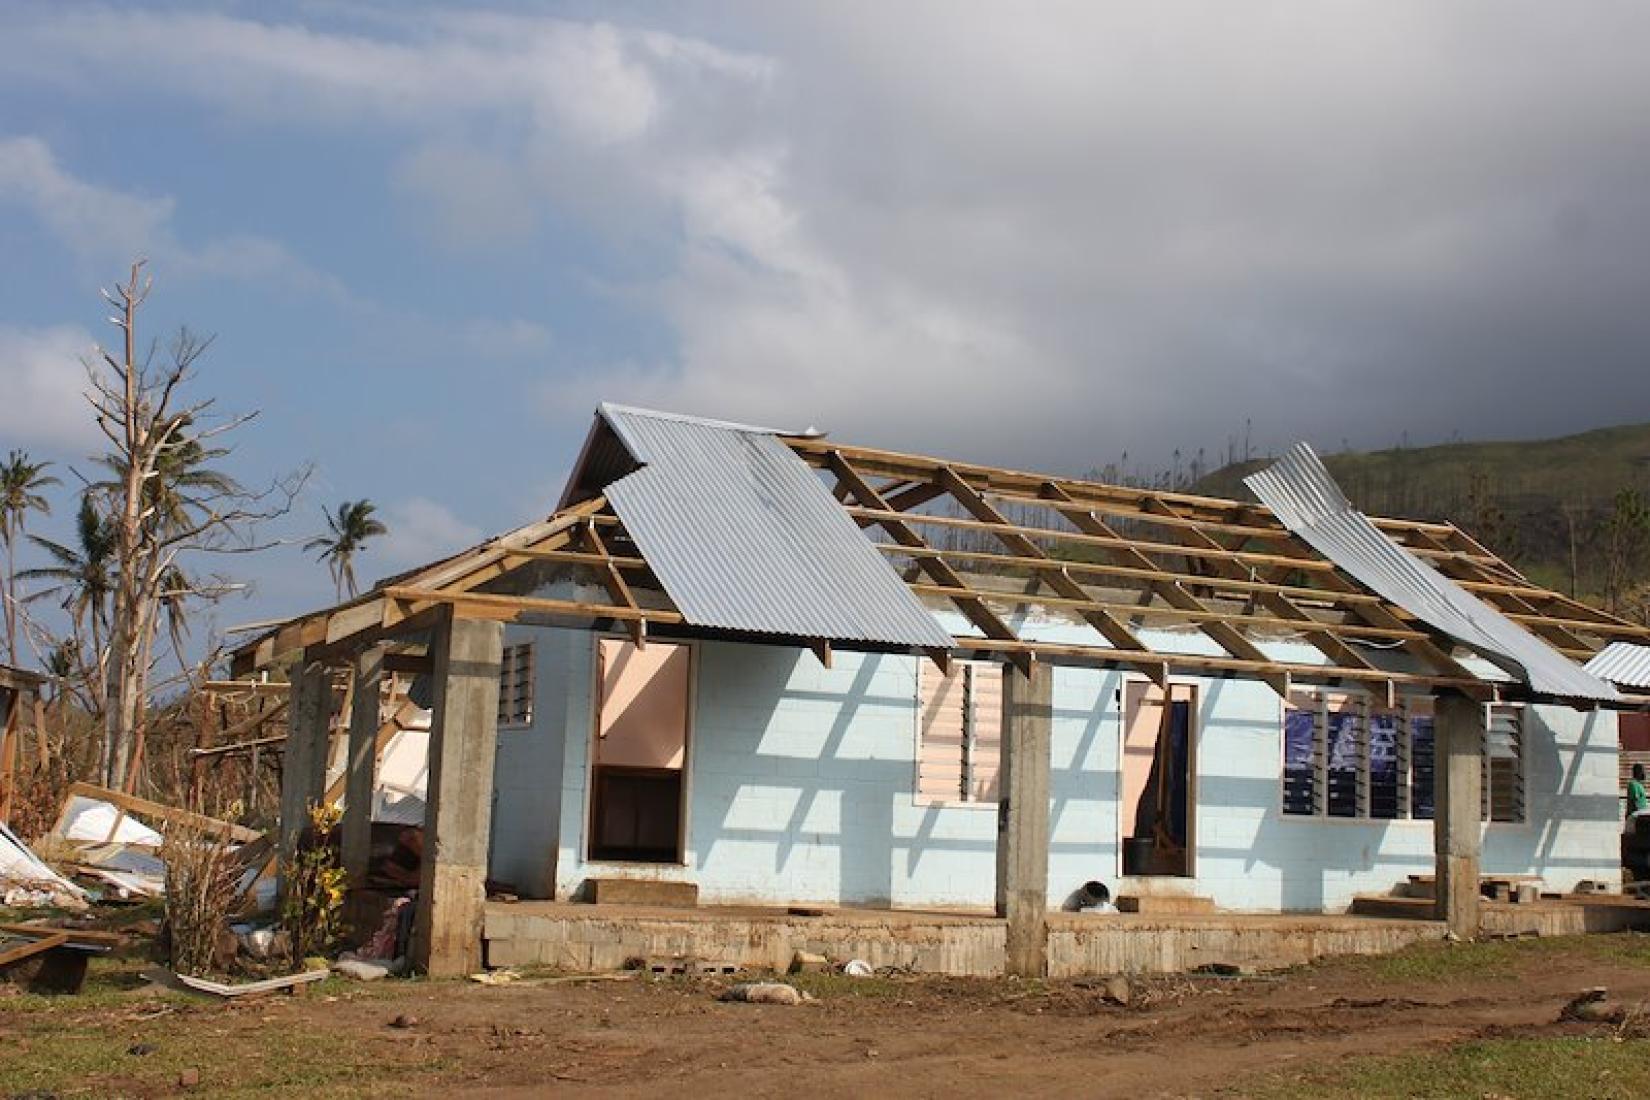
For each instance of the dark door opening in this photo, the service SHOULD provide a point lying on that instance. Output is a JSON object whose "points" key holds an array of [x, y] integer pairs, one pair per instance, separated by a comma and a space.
{"points": [[1158, 764]]}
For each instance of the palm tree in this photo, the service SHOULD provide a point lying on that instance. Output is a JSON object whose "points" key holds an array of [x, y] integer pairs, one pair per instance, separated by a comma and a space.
{"points": [[83, 574], [347, 534], [21, 479]]}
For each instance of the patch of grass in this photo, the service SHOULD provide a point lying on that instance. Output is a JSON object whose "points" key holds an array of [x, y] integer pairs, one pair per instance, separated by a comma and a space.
{"points": [[1601, 1069], [830, 984], [1495, 960], [93, 1058]]}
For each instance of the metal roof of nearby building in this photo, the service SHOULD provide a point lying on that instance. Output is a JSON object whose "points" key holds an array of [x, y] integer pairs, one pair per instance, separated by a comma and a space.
{"points": [[743, 536], [1622, 663], [1301, 493]]}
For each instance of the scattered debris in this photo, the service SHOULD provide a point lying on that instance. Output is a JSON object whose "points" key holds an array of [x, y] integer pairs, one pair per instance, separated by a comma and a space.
{"points": [[189, 1078], [808, 962], [403, 1022], [496, 977], [141, 1050], [1117, 990], [26, 881], [232, 991], [764, 993], [49, 959], [858, 968], [1592, 1006], [353, 966]]}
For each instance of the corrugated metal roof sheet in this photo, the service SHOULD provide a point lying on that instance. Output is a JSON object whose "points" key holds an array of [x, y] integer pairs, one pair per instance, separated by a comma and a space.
{"points": [[743, 535], [1306, 499], [1622, 663]]}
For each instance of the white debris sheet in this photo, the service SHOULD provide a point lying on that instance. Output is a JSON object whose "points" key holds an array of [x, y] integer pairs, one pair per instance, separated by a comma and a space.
{"points": [[90, 819], [25, 880]]}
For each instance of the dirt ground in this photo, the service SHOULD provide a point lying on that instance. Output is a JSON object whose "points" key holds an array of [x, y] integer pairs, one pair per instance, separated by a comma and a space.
{"points": [[1474, 1020]]}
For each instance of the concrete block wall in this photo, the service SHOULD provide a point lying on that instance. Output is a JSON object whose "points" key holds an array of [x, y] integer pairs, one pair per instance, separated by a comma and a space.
{"points": [[528, 770], [801, 789]]}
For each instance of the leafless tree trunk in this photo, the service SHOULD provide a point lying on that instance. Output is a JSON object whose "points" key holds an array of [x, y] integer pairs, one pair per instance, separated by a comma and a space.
{"points": [[160, 514]]}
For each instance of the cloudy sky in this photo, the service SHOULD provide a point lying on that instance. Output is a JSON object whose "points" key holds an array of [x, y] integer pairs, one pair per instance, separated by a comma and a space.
{"points": [[430, 239]]}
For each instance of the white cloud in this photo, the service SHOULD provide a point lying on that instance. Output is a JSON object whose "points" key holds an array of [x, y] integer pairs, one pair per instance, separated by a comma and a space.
{"points": [[421, 530], [91, 220], [105, 226], [1042, 240], [43, 382]]}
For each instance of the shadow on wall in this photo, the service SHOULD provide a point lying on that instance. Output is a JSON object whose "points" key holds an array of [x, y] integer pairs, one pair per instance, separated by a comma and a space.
{"points": [[809, 776]]}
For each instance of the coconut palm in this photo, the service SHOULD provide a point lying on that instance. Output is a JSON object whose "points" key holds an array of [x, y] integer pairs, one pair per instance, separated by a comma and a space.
{"points": [[21, 479], [83, 575], [347, 533]]}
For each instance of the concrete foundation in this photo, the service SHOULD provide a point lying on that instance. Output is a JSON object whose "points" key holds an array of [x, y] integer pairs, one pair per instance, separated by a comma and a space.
{"points": [[1568, 917], [592, 938]]}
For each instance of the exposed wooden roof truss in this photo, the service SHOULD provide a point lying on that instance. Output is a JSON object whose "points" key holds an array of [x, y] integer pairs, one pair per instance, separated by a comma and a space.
{"points": [[994, 544]]}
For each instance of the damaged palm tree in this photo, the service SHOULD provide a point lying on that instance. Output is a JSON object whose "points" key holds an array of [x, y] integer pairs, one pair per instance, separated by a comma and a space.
{"points": [[165, 503]]}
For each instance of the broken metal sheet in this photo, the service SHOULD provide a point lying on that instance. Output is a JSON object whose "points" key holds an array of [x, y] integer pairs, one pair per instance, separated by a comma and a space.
{"points": [[1622, 663], [1302, 494], [743, 535], [26, 880]]}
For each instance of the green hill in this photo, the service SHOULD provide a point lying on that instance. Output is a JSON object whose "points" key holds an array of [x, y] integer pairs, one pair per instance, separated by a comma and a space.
{"points": [[1528, 500]]}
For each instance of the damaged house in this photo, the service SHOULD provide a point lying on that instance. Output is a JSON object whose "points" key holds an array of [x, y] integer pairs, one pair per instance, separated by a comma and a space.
{"points": [[741, 666]]}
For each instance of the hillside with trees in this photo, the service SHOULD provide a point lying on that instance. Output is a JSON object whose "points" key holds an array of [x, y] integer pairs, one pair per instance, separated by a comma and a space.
{"points": [[1572, 513]]}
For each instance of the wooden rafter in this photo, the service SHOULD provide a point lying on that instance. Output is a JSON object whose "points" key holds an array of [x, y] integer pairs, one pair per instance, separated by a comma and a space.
{"points": [[1052, 573], [1230, 569], [976, 610]]}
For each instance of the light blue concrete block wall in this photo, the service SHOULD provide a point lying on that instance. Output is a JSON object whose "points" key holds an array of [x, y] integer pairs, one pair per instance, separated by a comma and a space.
{"points": [[801, 789]]}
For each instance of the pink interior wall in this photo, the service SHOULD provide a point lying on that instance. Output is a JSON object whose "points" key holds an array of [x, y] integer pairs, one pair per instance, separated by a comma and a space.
{"points": [[644, 705]]}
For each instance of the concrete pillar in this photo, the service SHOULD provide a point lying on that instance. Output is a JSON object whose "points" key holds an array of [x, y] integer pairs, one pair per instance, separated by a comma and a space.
{"points": [[1458, 742], [360, 764], [458, 814], [1022, 817], [304, 762]]}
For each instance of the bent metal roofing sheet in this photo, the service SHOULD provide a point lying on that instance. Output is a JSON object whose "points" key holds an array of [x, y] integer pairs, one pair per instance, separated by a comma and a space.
{"points": [[743, 536], [1622, 663], [1301, 493]]}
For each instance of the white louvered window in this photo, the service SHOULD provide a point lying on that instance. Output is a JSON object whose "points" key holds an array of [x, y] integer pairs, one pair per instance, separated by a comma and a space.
{"points": [[1503, 776], [515, 686], [959, 748]]}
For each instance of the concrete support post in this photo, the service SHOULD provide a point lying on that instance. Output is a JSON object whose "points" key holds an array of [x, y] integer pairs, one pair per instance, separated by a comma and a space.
{"points": [[304, 762], [1458, 742], [459, 809], [1022, 816], [361, 763]]}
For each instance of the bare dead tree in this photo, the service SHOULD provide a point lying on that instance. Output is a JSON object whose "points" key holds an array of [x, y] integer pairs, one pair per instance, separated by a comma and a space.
{"points": [[167, 506]]}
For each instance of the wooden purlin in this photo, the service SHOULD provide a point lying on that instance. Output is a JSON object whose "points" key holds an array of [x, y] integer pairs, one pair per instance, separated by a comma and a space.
{"points": [[1327, 643], [1055, 576], [976, 611]]}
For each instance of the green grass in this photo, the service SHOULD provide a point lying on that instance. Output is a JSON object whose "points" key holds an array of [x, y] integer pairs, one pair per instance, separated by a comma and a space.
{"points": [[1497, 960], [1526, 1069]]}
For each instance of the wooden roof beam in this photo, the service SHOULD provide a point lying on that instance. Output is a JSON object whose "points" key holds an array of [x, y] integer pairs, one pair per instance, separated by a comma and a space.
{"points": [[1051, 572], [1227, 636], [977, 612]]}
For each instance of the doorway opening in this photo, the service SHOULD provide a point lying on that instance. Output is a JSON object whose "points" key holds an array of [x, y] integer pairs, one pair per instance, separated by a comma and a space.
{"points": [[638, 807], [1159, 750]]}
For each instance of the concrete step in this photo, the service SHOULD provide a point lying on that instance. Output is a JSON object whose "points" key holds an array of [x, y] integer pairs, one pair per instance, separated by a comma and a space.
{"points": [[641, 891], [1164, 905]]}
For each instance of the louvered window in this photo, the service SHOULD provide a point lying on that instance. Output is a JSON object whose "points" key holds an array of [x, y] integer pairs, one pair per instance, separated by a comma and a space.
{"points": [[1503, 790], [1344, 756], [515, 686], [960, 740]]}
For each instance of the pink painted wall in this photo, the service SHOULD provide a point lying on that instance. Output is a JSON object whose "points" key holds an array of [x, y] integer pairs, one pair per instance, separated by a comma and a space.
{"points": [[644, 705]]}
